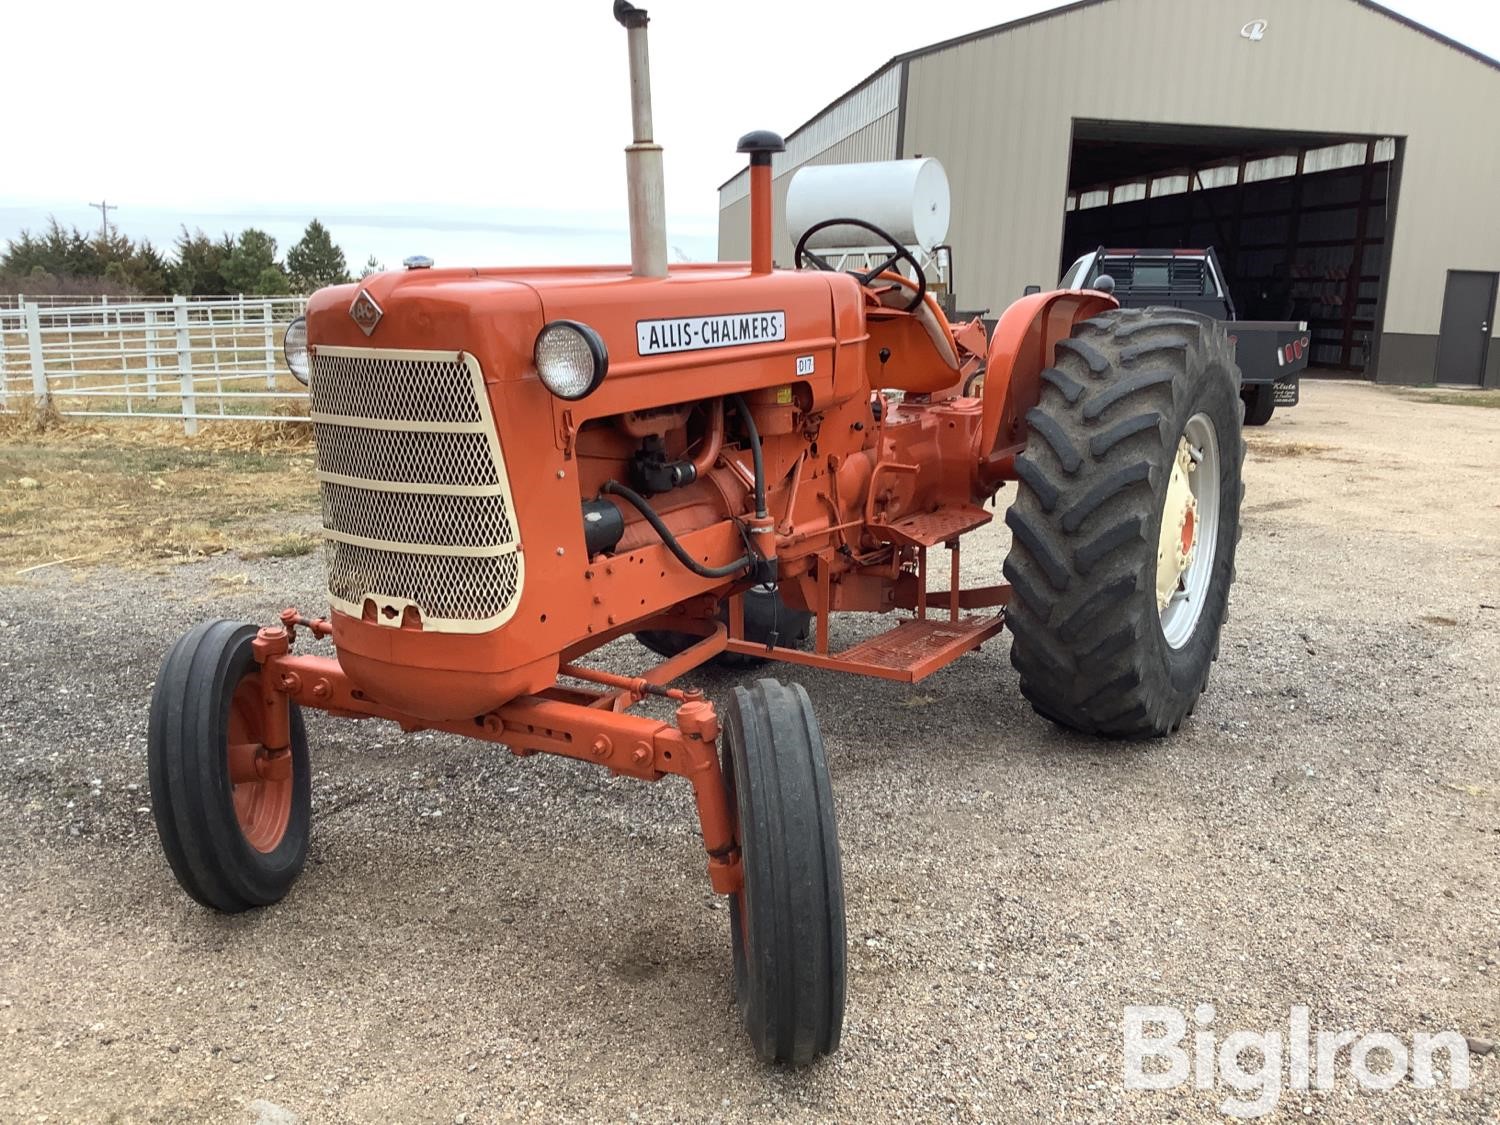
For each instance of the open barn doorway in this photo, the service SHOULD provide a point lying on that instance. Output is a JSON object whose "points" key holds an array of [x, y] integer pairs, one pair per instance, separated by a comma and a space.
{"points": [[1301, 221]]}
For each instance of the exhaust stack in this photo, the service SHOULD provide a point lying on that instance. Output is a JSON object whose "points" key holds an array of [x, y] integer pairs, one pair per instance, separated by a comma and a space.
{"points": [[643, 167]]}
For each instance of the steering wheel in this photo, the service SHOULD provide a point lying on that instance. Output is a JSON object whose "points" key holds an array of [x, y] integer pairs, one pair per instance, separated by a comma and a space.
{"points": [[802, 255]]}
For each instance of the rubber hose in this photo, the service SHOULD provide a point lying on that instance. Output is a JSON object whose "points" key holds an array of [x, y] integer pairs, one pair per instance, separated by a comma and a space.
{"points": [[755, 453], [638, 502]]}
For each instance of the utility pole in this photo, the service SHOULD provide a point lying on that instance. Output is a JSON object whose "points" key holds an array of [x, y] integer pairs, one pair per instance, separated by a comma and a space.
{"points": [[104, 209]]}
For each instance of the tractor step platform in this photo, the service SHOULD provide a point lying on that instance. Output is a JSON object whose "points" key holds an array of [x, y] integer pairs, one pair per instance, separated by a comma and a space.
{"points": [[928, 529], [921, 646], [912, 651]]}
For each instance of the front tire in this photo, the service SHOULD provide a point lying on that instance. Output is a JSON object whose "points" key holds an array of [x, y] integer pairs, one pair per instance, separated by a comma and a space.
{"points": [[787, 921], [233, 820], [1116, 624]]}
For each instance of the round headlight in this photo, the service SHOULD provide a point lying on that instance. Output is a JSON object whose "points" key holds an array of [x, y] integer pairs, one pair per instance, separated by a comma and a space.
{"points": [[294, 349], [570, 358]]}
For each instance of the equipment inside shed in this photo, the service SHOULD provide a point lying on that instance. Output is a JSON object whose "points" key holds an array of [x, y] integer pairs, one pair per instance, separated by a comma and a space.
{"points": [[1301, 221]]}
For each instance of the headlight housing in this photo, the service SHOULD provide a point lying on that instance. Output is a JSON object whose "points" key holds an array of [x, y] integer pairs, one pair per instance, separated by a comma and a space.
{"points": [[294, 349], [570, 359]]}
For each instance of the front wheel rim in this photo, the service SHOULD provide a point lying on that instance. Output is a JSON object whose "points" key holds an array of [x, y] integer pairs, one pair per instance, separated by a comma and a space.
{"points": [[260, 780], [1189, 535]]}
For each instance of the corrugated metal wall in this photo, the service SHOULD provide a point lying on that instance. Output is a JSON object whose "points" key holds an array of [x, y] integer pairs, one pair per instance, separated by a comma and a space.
{"points": [[861, 127], [998, 112]]}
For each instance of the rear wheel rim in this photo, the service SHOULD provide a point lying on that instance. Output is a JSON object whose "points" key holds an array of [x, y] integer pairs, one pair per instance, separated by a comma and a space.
{"points": [[1189, 533], [260, 781]]}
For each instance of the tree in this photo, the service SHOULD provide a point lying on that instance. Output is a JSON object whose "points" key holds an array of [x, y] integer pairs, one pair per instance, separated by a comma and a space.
{"points": [[250, 266], [272, 282], [200, 262], [60, 252], [69, 261], [134, 267], [147, 269], [73, 262], [315, 261], [371, 266]]}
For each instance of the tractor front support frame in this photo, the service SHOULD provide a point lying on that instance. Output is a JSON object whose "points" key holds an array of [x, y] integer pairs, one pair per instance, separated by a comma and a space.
{"points": [[590, 724]]}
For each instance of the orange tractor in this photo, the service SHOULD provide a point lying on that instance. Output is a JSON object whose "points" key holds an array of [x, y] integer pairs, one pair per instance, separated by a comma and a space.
{"points": [[519, 466]]}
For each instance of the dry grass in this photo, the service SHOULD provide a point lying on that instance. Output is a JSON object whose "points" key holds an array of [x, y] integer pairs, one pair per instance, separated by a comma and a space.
{"points": [[1489, 398], [1273, 447], [140, 495], [292, 546]]}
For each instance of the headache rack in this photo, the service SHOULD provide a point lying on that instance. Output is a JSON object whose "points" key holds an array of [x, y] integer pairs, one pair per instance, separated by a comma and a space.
{"points": [[1184, 275]]}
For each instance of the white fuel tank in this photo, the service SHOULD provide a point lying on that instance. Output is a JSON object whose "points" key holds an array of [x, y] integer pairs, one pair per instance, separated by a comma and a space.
{"points": [[908, 199]]}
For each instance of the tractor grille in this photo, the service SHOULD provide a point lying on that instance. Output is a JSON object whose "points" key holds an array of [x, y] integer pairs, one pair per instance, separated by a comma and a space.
{"points": [[417, 508], [407, 456]]}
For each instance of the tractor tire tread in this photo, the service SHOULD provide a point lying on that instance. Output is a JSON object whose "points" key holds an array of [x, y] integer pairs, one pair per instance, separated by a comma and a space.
{"points": [[1070, 387], [1086, 636], [187, 776], [792, 996]]}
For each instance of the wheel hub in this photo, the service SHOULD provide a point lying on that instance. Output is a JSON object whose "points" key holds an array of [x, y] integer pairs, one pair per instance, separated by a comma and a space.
{"points": [[1179, 526], [260, 778], [1188, 543]]}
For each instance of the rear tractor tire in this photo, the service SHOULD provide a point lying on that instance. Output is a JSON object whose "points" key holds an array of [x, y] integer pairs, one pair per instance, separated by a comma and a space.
{"points": [[768, 620], [1125, 522], [233, 818], [786, 923]]}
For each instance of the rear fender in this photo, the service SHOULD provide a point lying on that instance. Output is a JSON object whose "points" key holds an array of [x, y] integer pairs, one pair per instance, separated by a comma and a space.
{"points": [[1023, 345]]}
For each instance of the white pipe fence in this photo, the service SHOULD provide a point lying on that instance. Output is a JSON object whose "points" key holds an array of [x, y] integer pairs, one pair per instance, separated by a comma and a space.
{"points": [[62, 300], [194, 359]]}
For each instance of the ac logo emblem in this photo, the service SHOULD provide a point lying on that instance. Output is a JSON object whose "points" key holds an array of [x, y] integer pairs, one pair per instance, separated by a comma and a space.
{"points": [[366, 312]]}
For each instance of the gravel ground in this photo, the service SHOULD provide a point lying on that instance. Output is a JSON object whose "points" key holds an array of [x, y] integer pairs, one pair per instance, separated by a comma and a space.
{"points": [[481, 938]]}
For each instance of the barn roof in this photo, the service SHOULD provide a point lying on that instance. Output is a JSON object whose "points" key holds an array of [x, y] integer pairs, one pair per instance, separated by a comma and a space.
{"points": [[1079, 5]]}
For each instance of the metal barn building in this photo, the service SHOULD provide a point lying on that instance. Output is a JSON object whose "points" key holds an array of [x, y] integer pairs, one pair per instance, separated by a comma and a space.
{"points": [[1344, 161]]}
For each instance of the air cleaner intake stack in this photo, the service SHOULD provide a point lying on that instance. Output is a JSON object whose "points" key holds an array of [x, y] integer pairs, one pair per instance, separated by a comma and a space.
{"points": [[760, 145], [643, 167]]}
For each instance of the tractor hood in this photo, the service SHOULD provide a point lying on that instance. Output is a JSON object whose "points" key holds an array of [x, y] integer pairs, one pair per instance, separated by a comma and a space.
{"points": [[698, 315]]}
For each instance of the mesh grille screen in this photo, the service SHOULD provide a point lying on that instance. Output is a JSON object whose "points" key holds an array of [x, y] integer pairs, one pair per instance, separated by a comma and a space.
{"points": [[396, 390], [415, 517], [443, 587], [404, 456], [418, 492]]}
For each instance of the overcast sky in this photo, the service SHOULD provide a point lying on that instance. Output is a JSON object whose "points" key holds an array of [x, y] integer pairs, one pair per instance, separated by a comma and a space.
{"points": [[487, 132]]}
